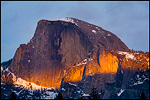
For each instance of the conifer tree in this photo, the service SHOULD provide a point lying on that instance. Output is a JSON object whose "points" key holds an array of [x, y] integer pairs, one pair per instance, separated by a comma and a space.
{"points": [[13, 96], [94, 94], [59, 96], [143, 95]]}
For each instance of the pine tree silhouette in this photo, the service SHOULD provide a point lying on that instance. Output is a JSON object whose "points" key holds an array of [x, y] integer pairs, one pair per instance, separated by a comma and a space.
{"points": [[59, 96], [13, 96], [143, 95], [94, 94]]}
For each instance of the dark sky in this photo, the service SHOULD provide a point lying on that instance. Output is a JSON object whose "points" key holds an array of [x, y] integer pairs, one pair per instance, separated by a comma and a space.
{"points": [[129, 20]]}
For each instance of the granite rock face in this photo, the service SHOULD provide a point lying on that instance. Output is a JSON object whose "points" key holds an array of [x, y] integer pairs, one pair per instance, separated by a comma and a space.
{"points": [[58, 45], [55, 46]]}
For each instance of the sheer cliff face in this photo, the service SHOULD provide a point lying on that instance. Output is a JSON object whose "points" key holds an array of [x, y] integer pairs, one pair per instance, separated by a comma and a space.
{"points": [[58, 45]]}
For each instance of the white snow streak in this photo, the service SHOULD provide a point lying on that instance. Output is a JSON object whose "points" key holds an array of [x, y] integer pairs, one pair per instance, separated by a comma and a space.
{"points": [[1, 68], [138, 82], [72, 84], [121, 91], [6, 69], [122, 71]]}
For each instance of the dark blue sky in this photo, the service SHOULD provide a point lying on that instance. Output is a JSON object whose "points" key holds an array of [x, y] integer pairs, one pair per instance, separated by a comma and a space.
{"points": [[129, 20]]}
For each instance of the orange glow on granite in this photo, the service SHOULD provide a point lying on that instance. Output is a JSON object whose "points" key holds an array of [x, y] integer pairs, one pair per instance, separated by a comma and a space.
{"points": [[108, 64], [74, 74]]}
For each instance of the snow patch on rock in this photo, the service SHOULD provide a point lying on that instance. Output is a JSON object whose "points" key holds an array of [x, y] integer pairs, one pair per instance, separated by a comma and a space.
{"points": [[108, 34], [94, 31], [23, 83], [140, 81], [127, 55], [66, 19], [63, 89], [86, 95], [97, 28], [51, 95]]}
